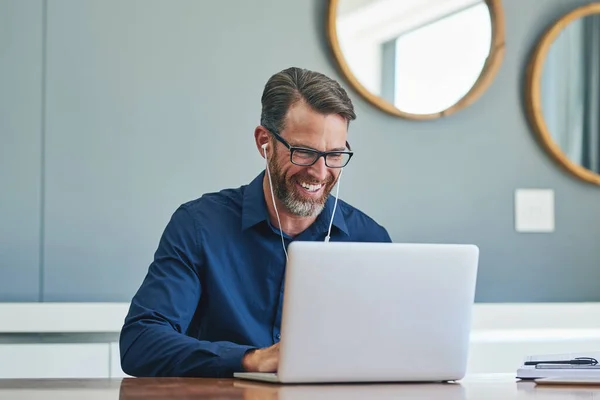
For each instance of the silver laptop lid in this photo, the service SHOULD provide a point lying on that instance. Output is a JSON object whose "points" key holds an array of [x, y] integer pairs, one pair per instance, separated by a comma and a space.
{"points": [[377, 312]]}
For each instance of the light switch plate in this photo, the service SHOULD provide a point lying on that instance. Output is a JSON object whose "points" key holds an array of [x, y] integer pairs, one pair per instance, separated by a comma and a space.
{"points": [[534, 210]]}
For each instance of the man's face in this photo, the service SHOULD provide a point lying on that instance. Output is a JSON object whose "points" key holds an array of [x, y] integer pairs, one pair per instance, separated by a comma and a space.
{"points": [[303, 190]]}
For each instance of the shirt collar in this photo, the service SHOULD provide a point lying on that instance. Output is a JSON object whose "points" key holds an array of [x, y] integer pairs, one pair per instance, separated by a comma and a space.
{"points": [[254, 209], [323, 220]]}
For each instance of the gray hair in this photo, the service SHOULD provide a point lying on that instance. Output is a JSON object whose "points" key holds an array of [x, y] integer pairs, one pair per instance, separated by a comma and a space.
{"points": [[291, 85]]}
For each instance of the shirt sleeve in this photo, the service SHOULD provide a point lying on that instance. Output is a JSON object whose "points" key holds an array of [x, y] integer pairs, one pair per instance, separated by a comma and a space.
{"points": [[380, 234], [385, 236], [153, 340], [376, 232]]}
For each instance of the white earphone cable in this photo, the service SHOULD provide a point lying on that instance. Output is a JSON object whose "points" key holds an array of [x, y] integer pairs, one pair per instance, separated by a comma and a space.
{"points": [[264, 147], [337, 192]]}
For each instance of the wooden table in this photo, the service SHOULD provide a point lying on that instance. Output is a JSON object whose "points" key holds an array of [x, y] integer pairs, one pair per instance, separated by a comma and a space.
{"points": [[472, 387]]}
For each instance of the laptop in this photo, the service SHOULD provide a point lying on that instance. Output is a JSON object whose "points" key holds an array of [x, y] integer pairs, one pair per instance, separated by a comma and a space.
{"points": [[375, 312]]}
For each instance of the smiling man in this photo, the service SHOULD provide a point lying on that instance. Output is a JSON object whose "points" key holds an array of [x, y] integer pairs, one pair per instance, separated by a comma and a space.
{"points": [[211, 302]]}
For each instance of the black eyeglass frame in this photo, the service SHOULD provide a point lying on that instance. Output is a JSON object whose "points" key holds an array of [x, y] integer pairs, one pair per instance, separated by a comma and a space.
{"points": [[319, 154]]}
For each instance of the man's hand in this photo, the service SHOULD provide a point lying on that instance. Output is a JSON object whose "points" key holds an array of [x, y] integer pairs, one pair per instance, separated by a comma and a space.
{"points": [[262, 360]]}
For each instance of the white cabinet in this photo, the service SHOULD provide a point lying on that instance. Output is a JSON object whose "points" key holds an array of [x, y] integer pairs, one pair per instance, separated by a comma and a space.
{"points": [[54, 360], [68, 340]]}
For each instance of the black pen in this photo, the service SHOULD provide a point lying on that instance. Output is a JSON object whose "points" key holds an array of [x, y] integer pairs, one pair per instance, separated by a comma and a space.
{"points": [[575, 361]]}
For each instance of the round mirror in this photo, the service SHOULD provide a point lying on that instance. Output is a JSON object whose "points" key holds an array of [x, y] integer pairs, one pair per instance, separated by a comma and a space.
{"points": [[417, 59], [563, 92]]}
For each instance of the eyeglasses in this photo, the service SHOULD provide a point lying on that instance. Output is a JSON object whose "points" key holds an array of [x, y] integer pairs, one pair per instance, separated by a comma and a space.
{"points": [[307, 157]]}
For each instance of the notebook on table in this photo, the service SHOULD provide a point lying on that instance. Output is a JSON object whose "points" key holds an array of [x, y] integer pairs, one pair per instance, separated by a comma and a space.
{"points": [[570, 365]]}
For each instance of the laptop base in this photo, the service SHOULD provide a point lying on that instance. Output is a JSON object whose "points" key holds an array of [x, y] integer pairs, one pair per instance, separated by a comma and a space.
{"points": [[258, 376]]}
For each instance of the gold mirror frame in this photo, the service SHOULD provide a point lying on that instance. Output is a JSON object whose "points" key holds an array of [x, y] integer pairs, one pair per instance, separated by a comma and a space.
{"points": [[488, 72], [533, 100]]}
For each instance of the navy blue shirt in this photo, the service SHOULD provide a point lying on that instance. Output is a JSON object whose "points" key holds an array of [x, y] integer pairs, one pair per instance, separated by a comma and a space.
{"points": [[215, 287]]}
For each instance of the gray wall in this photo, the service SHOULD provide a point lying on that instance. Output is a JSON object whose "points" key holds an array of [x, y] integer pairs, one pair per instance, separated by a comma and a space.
{"points": [[114, 112], [20, 148]]}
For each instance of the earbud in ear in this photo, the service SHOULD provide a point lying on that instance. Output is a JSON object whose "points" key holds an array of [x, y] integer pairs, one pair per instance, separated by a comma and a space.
{"points": [[264, 146]]}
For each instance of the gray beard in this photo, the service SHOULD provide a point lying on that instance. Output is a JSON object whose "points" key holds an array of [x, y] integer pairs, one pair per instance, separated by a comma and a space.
{"points": [[300, 208], [288, 198]]}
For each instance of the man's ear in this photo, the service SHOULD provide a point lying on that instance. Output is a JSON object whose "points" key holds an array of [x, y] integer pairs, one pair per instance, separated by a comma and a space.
{"points": [[261, 137]]}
